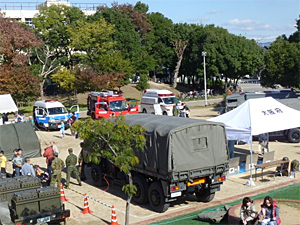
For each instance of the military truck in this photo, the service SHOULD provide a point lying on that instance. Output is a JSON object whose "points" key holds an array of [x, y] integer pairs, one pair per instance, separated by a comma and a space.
{"points": [[24, 201], [183, 156]]}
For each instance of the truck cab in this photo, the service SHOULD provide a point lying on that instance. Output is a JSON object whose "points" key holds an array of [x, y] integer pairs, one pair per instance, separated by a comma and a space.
{"points": [[158, 102], [48, 114], [106, 104]]}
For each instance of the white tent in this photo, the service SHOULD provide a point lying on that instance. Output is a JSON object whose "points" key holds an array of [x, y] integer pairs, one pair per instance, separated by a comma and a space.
{"points": [[257, 116], [7, 104]]}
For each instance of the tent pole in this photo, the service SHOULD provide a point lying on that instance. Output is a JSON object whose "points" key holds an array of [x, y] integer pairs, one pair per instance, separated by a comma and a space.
{"points": [[250, 182]]}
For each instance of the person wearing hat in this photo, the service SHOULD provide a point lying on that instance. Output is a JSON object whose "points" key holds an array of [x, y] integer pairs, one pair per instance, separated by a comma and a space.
{"points": [[71, 162], [57, 165]]}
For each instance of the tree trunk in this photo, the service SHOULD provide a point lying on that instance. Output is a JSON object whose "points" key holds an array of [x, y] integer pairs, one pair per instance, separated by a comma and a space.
{"points": [[128, 200], [179, 47], [177, 72], [42, 89]]}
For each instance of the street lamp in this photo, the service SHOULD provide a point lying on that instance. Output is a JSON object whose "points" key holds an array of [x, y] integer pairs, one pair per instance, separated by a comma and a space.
{"points": [[205, 92]]}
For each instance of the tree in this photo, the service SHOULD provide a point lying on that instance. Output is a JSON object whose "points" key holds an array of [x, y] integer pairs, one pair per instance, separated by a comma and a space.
{"points": [[15, 76], [116, 141], [143, 83], [282, 64], [51, 24]]}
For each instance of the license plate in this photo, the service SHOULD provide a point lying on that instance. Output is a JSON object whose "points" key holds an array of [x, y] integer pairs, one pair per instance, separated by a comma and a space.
{"points": [[44, 219], [175, 194]]}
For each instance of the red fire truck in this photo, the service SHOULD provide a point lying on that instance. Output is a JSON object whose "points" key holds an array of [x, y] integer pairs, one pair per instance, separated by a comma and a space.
{"points": [[105, 104]]}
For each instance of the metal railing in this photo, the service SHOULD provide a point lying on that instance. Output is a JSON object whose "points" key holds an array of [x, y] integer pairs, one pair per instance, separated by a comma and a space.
{"points": [[36, 5]]}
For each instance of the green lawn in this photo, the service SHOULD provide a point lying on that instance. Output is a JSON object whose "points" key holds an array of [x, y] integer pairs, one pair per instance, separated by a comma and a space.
{"points": [[289, 192]]}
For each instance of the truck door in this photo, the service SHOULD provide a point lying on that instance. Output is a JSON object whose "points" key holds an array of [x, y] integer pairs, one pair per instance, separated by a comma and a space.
{"points": [[133, 106], [75, 109], [40, 117]]}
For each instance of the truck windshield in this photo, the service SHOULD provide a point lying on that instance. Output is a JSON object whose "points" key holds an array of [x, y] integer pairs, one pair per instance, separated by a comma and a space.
{"points": [[118, 105], [57, 110], [170, 100]]}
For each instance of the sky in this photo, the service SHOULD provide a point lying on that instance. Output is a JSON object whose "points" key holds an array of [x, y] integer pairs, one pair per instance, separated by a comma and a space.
{"points": [[261, 20]]}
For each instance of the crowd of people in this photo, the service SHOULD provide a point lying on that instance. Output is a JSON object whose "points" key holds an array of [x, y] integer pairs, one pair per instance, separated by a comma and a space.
{"points": [[18, 118], [53, 175], [268, 215]]}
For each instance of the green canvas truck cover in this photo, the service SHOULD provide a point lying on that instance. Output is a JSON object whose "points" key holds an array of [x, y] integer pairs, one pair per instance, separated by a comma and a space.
{"points": [[176, 144], [19, 135]]}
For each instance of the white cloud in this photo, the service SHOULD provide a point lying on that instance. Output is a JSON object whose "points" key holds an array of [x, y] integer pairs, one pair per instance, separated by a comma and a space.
{"points": [[248, 25], [214, 11]]}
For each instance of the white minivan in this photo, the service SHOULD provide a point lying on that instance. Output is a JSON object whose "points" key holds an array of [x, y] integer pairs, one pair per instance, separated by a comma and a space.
{"points": [[158, 102], [48, 114]]}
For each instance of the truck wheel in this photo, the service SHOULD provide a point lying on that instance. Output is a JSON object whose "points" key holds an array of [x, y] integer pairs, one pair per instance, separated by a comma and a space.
{"points": [[157, 198], [144, 111], [165, 113], [204, 195], [294, 135], [141, 196], [96, 173]]}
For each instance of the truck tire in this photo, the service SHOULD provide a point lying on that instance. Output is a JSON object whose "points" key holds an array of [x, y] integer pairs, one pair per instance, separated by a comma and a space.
{"points": [[165, 113], [96, 173], [204, 195], [144, 111], [141, 196], [294, 135], [157, 198]]}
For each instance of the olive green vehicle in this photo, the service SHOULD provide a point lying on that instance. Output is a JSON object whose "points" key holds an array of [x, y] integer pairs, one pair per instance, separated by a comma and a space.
{"points": [[24, 201], [183, 156]]}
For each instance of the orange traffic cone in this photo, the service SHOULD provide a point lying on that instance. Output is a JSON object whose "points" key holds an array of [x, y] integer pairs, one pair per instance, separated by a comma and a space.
{"points": [[86, 208], [114, 220], [62, 193]]}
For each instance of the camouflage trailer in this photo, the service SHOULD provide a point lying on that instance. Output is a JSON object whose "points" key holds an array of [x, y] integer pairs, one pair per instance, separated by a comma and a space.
{"points": [[24, 201]]}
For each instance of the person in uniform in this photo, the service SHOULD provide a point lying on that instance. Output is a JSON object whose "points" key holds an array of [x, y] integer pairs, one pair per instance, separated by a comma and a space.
{"points": [[71, 162], [57, 165], [81, 163]]}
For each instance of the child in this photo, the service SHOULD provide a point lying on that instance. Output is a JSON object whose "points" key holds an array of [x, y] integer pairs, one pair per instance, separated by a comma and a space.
{"points": [[17, 162], [248, 213], [3, 163], [62, 129]]}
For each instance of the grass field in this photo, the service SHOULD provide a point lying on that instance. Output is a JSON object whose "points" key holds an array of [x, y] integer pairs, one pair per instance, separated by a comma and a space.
{"points": [[289, 192]]}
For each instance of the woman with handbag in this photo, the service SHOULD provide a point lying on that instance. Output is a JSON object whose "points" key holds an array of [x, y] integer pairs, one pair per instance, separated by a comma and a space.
{"points": [[248, 213], [269, 214]]}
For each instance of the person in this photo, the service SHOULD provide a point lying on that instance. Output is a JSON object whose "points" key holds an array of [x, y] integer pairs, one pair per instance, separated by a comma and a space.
{"points": [[3, 163], [19, 120], [48, 153], [4, 118], [187, 110], [71, 162], [56, 166], [27, 168], [175, 110], [269, 214], [248, 214], [54, 146], [81, 163], [263, 143], [72, 120], [18, 161], [23, 117], [31, 121], [16, 118], [230, 144], [62, 129]]}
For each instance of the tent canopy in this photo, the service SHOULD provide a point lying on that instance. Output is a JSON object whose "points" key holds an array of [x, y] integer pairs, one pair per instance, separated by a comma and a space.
{"points": [[7, 104], [19, 135], [257, 116]]}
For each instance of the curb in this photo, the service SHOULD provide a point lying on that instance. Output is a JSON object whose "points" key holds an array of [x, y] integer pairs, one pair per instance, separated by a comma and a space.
{"points": [[215, 203]]}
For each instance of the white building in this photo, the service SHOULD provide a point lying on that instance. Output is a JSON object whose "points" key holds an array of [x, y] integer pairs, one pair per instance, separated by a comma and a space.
{"points": [[26, 11]]}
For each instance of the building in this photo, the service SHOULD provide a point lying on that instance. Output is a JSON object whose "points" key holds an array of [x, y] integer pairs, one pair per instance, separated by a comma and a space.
{"points": [[25, 11]]}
